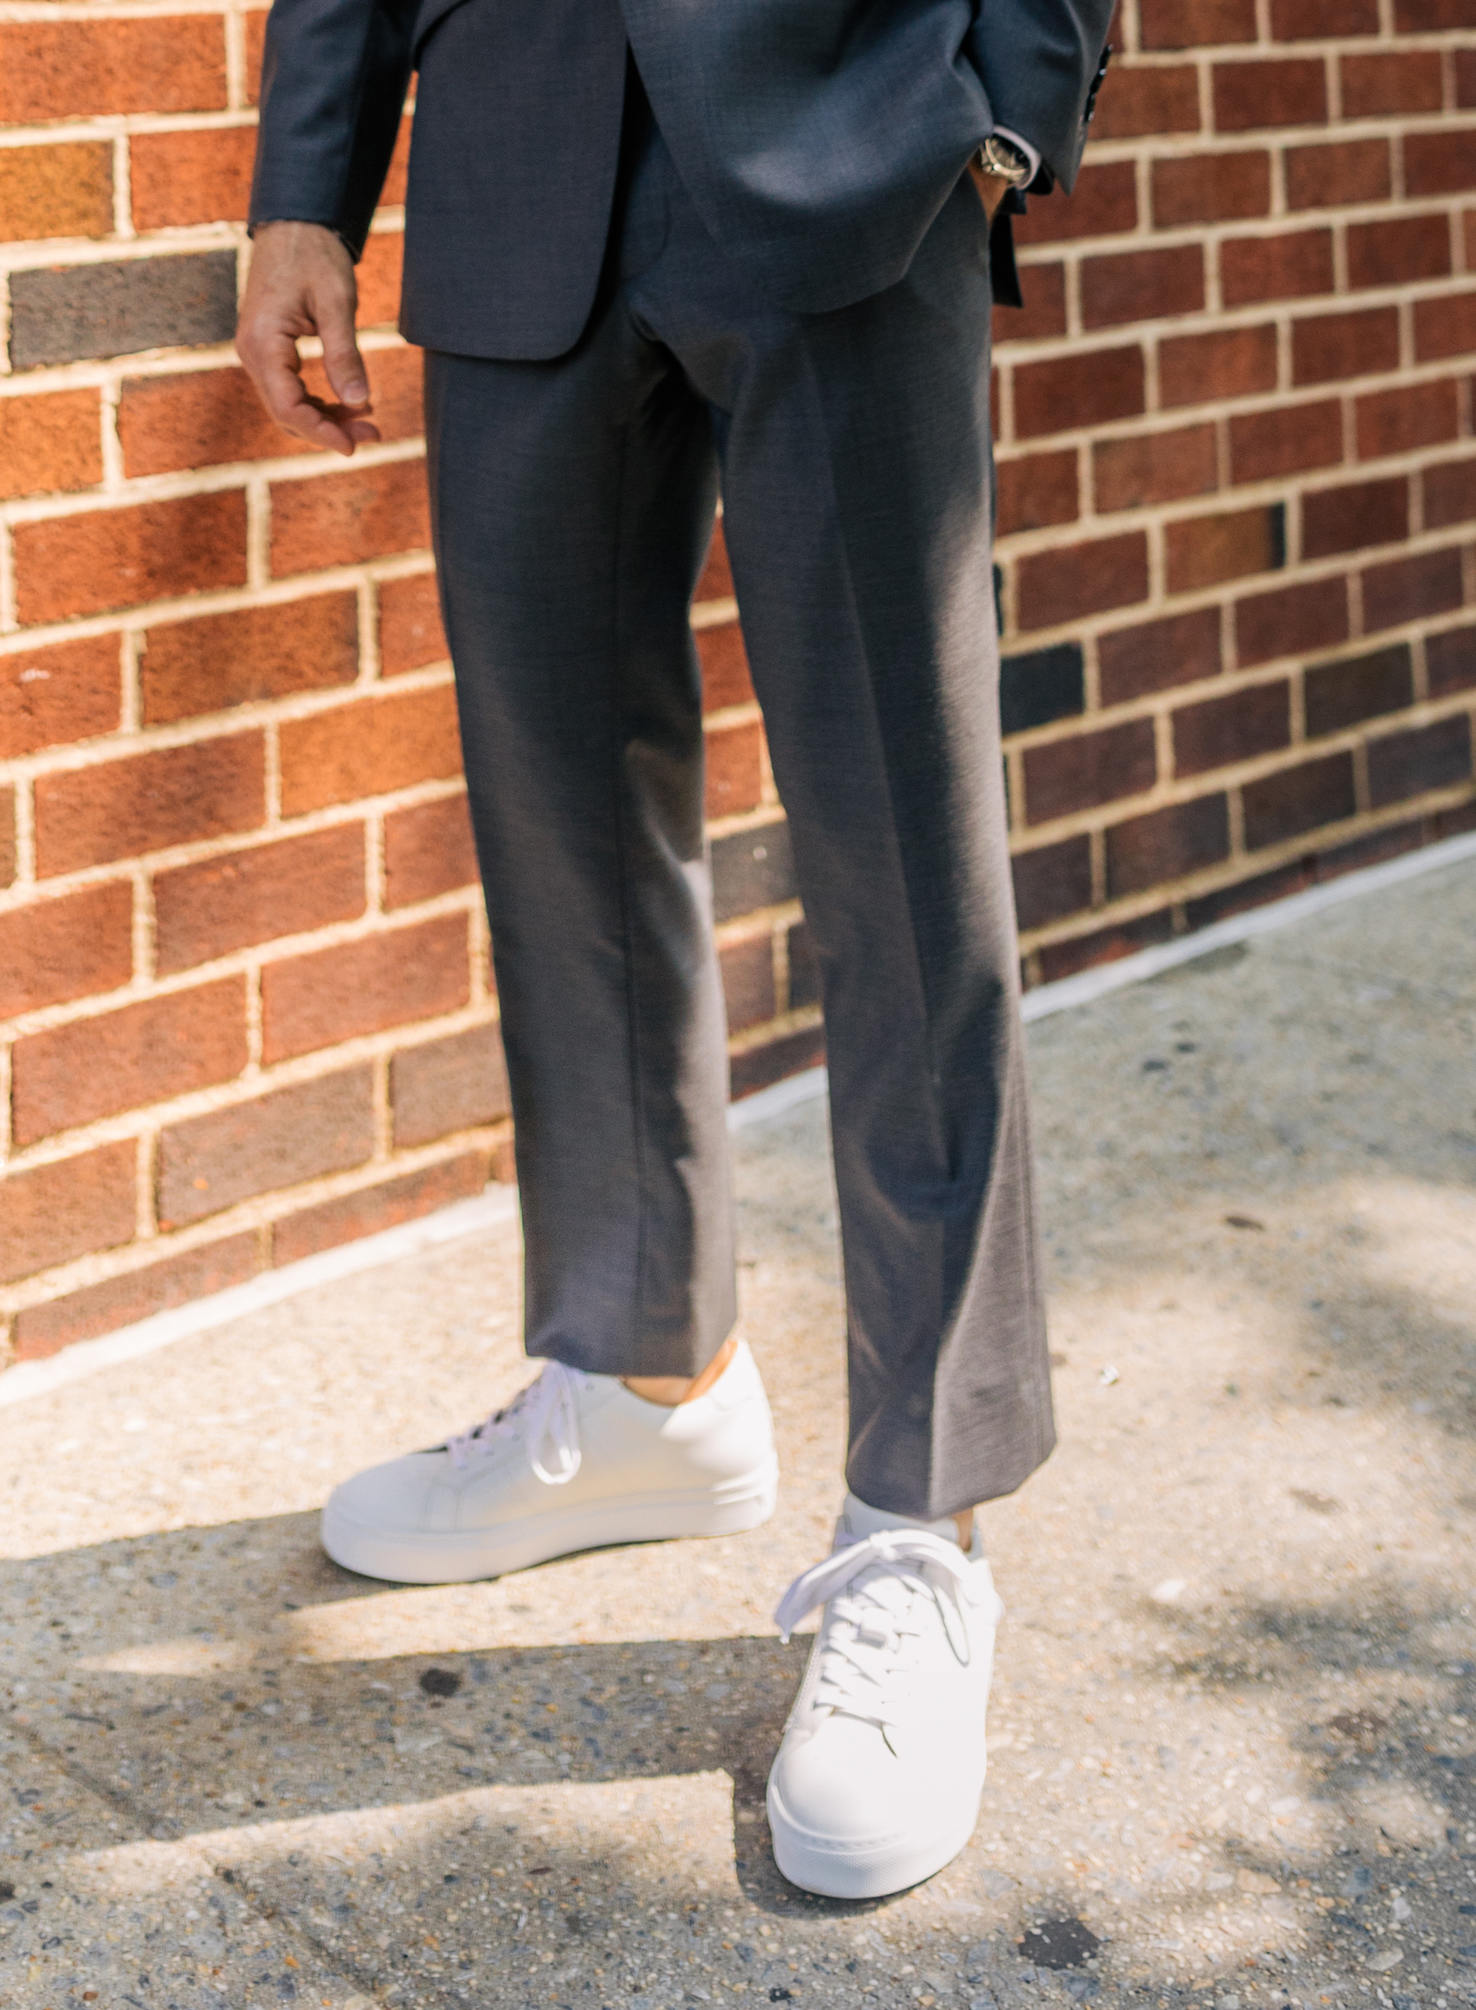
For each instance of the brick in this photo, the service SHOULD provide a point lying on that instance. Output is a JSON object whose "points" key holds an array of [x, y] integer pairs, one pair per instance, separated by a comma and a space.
{"points": [[42, 1330], [256, 20], [1211, 187], [410, 631], [369, 1210], [1146, 468], [1036, 490], [128, 1059], [1311, 615], [369, 747], [1103, 945], [65, 314], [68, 1208], [1401, 765], [56, 191], [379, 275], [1445, 326], [1044, 312], [198, 175], [756, 1067], [1323, 20], [1411, 589], [1285, 440], [1103, 203], [1340, 695], [1205, 551], [50, 441], [105, 559], [1191, 24], [735, 768], [1052, 881], [747, 969], [392, 194], [1355, 515], [1157, 655], [341, 519], [1219, 364], [275, 1141], [454, 1084], [52, 951], [1252, 720], [1069, 581], [262, 894], [60, 694], [1269, 91], [382, 980], [1141, 285], [752, 868], [1397, 249], [1148, 99], [1257, 891], [1465, 77], [1409, 416], [1166, 844], [80, 69], [428, 850], [1086, 389], [1440, 163], [188, 668], [1348, 171], [804, 968], [1449, 493], [7, 836], [1358, 343], [1039, 686], [724, 662], [1294, 800], [716, 579], [144, 802], [1450, 661], [1432, 17], [1292, 265], [1066, 776], [1391, 81]]}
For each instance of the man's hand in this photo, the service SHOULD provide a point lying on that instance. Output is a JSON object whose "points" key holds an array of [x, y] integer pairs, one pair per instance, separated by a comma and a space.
{"points": [[302, 283], [992, 188]]}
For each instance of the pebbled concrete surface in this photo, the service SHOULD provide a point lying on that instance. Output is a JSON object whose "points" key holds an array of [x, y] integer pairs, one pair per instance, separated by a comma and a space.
{"points": [[1234, 1754]]}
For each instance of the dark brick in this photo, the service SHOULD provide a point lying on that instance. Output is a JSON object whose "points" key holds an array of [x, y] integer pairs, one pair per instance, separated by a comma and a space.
{"points": [[1406, 417], [1397, 249], [804, 967], [1209, 188], [1167, 844], [1323, 20], [756, 1067], [1156, 655], [277, 1140], [1290, 265], [1258, 891], [1191, 24], [1052, 881], [1440, 163], [1283, 805], [1218, 732], [1035, 491], [1348, 171], [1425, 757], [64, 314], [752, 868], [1445, 326], [1081, 773], [1358, 513], [1069, 581], [1104, 945], [1291, 619], [455, 1084], [1339, 695], [1087, 388], [1357, 344], [747, 969], [1410, 589], [1269, 91], [1450, 661], [1285, 440], [1393, 80], [1204, 551], [368, 1210], [1104, 202], [1041, 685]]}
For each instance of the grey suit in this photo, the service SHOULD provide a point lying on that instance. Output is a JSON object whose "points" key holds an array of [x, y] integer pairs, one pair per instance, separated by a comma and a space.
{"points": [[735, 321]]}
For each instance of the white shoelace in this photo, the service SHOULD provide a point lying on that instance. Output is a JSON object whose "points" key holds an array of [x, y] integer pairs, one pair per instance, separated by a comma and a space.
{"points": [[544, 1416], [871, 1588]]}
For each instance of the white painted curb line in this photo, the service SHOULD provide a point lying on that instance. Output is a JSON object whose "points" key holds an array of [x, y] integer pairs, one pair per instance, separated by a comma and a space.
{"points": [[498, 1206]]}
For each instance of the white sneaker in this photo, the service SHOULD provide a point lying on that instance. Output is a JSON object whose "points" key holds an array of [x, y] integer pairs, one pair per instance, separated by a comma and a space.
{"points": [[574, 1462], [877, 1780]]}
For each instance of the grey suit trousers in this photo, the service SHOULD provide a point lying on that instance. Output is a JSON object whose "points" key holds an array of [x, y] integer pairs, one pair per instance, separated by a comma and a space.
{"points": [[572, 503]]}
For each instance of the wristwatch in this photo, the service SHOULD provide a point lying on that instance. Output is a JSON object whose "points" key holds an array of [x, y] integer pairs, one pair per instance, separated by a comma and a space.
{"points": [[1002, 158]]}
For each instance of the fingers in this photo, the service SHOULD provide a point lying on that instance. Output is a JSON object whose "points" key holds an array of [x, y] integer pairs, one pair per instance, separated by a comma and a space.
{"points": [[302, 283], [276, 370]]}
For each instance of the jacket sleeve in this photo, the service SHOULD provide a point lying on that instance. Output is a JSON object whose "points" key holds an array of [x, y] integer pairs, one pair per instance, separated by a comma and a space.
{"points": [[334, 77], [1041, 62]]}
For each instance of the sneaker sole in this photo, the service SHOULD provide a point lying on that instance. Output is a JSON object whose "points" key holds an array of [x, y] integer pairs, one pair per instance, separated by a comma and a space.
{"points": [[863, 1870], [463, 1557]]}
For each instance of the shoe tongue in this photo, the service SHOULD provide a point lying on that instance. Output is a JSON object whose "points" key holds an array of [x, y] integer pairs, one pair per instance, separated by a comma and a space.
{"points": [[859, 1520]]}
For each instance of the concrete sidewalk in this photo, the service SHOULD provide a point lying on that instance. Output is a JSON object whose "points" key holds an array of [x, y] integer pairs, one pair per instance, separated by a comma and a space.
{"points": [[1234, 1759]]}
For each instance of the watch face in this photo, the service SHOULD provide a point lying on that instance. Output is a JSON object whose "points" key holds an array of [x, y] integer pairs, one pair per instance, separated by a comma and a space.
{"points": [[1006, 159]]}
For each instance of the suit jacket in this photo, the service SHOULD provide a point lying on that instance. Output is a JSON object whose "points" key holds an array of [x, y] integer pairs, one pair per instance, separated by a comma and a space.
{"points": [[818, 139]]}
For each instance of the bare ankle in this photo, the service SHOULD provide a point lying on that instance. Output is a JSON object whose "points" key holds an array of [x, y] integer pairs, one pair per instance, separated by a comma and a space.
{"points": [[669, 1390]]}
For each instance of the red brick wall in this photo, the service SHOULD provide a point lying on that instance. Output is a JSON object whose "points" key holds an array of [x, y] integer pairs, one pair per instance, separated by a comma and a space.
{"points": [[245, 1010]]}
